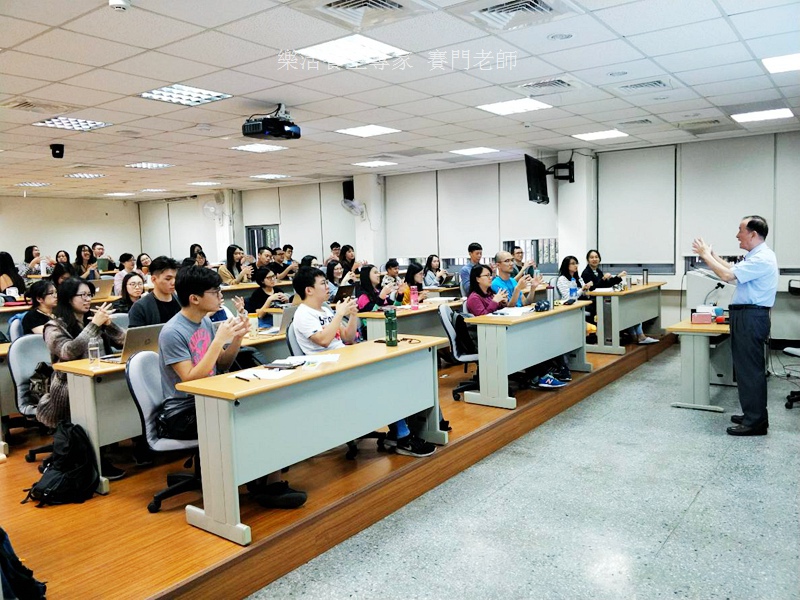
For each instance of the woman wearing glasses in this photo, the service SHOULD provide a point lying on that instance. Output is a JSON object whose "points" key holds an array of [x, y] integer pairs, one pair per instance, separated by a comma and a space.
{"points": [[132, 288], [43, 298], [265, 296], [67, 337]]}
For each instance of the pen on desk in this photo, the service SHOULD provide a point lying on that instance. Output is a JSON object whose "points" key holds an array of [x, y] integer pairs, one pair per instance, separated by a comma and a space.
{"points": [[242, 378]]}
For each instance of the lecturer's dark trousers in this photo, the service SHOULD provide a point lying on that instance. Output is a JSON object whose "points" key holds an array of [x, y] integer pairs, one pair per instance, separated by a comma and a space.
{"points": [[749, 332]]}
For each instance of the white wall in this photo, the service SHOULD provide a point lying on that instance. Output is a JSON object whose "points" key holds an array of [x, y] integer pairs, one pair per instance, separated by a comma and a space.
{"points": [[56, 224], [169, 228]]}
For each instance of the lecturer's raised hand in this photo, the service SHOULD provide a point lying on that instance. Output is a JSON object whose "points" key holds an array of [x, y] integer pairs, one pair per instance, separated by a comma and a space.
{"points": [[701, 248]]}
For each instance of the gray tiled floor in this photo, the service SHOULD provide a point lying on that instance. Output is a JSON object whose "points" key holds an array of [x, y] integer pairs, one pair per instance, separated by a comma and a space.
{"points": [[621, 496]]}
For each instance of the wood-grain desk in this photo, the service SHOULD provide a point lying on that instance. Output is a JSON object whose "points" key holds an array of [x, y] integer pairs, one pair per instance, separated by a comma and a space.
{"points": [[243, 290], [509, 344], [8, 404], [100, 402], [423, 321], [444, 292], [617, 311], [696, 343], [248, 429]]}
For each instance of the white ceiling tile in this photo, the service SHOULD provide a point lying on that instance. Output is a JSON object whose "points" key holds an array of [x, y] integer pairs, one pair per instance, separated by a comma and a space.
{"points": [[688, 105], [599, 106], [429, 106], [685, 37], [19, 85], [231, 82], [430, 31], [77, 47], [437, 84], [291, 95], [207, 14], [285, 29], [462, 115], [274, 69], [104, 115], [707, 57], [683, 115], [342, 83], [619, 115], [391, 95], [794, 102], [652, 15], [635, 69], [51, 69], [605, 53], [676, 95], [770, 21], [734, 86], [789, 78], [740, 70], [339, 106], [140, 106], [135, 27], [70, 94], [506, 72], [334, 123], [600, 4], [745, 97], [579, 96], [775, 45], [584, 30], [402, 70], [162, 66], [51, 12], [228, 51], [732, 7], [115, 82], [16, 30], [481, 96]]}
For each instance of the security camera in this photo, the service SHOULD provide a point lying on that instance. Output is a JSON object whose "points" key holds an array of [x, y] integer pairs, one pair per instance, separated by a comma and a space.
{"points": [[119, 5], [57, 150]]}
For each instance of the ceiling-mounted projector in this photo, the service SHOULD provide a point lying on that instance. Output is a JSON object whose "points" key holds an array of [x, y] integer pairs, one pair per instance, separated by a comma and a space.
{"points": [[270, 128]]}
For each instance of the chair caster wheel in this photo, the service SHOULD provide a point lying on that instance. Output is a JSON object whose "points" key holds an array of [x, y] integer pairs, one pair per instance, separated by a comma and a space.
{"points": [[30, 458], [154, 506], [456, 396]]}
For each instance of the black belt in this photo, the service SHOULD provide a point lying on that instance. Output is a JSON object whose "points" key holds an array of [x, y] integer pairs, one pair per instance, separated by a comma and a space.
{"points": [[747, 307]]}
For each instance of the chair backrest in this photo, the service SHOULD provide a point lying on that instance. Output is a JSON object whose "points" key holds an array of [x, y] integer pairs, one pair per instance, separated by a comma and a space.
{"points": [[141, 373], [446, 317], [24, 354], [120, 320], [291, 341], [15, 329]]}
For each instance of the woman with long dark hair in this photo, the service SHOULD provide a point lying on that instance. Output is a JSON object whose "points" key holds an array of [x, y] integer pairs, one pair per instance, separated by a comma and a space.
{"points": [[62, 272], [347, 257], [33, 259], [568, 278], [337, 277], [481, 300], [131, 291], [62, 257], [433, 275], [43, 297], [86, 263], [265, 296], [414, 278], [233, 271], [372, 297], [9, 274]]}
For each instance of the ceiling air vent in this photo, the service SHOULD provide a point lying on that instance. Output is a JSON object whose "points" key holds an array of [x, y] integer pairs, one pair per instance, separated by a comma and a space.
{"points": [[38, 106], [702, 126], [358, 15], [549, 85], [645, 86], [514, 14], [635, 123]]}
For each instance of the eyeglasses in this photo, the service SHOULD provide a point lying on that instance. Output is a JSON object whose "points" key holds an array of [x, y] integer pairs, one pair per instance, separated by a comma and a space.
{"points": [[136, 284], [271, 277], [215, 291], [508, 260], [84, 295], [485, 275], [53, 293]]}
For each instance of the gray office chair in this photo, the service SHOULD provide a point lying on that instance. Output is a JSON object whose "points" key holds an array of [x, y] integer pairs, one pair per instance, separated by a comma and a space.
{"points": [[146, 393], [446, 317], [15, 330], [120, 320], [24, 354], [291, 341]]}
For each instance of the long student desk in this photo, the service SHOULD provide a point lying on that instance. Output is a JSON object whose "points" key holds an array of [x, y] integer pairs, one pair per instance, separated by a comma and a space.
{"points": [[8, 404], [423, 321], [100, 402], [443, 292], [6, 312], [507, 344], [248, 429], [617, 311], [244, 290], [696, 344]]}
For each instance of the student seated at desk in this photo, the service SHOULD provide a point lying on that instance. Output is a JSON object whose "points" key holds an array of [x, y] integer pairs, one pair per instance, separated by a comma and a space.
{"points": [[160, 305], [336, 248], [9, 274], [85, 263], [475, 255], [336, 278], [514, 288], [317, 328], [132, 291], [67, 337], [433, 275], [309, 260], [62, 257], [372, 297], [62, 272], [521, 266], [392, 277], [600, 280], [347, 256], [44, 299], [33, 259], [99, 251], [568, 278], [413, 278], [265, 296], [283, 271], [264, 257], [127, 265], [234, 271]]}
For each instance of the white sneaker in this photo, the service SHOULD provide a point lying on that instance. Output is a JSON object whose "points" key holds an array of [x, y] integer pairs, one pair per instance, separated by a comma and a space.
{"points": [[648, 340]]}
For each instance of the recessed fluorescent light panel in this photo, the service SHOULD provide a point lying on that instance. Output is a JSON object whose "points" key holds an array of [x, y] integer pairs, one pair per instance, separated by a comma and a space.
{"points": [[259, 148], [204, 183], [368, 131], [374, 163], [153, 190], [119, 194], [185, 95], [352, 51], [763, 115], [474, 151], [84, 175], [72, 124], [600, 135], [269, 176], [148, 165], [512, 107], [31, 184], [781, 64]]}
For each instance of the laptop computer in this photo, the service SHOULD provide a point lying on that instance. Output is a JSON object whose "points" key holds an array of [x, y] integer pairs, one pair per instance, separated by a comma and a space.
{"points": [[286, 319], [103, 288], [450, 280], [345, 291], [137, 339]]}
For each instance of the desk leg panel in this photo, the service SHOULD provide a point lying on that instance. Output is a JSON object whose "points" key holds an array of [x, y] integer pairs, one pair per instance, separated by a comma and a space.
{"points": [[83, 412], [428, 427], [492, 369], [695, 384]]}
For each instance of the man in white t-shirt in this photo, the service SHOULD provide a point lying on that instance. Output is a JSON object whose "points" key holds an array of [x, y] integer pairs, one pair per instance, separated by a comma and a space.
{"points": [[318, 328]]}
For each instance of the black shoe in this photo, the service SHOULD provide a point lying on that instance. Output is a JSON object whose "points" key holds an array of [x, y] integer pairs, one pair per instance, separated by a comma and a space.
{"points": [[742, 430], [142, 457], [444, 425], [562, 375], [739, 419], [414, 446], [111, 472], [280, 495]]}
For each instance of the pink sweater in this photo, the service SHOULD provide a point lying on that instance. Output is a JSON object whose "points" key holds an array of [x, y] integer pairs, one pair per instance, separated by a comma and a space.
{"points": [[481, 305]]}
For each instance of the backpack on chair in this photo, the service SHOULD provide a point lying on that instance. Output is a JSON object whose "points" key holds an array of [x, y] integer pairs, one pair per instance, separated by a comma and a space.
{"points": [[70, 473]]}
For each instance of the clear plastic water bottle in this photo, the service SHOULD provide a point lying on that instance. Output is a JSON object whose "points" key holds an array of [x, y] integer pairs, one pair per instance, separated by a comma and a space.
{"points": [[414, 297], [94, 351], [391, 327], [43, 267]]}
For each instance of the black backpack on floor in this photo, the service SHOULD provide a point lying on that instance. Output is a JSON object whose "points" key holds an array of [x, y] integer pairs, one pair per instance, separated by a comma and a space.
{"points": [[17, 580], [70, 473]]}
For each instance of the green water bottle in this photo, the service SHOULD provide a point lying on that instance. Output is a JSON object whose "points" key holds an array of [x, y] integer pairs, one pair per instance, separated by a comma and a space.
{"points": [[391, 327]]}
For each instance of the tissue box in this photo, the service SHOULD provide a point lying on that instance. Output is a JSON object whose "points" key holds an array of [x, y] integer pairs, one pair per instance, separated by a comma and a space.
{"points": [[702, 318]]}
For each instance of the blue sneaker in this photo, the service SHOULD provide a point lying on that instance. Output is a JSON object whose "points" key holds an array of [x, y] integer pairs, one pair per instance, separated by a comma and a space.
{"points": [[548, 382]]}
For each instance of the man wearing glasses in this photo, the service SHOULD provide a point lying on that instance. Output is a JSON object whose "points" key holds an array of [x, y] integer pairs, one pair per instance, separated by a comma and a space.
{"points": [[160, 305], [505, 281], [521, 266]]}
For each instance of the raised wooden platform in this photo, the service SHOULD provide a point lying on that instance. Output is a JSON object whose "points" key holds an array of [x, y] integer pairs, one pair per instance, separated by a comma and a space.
{"points": [[111, 547]]}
